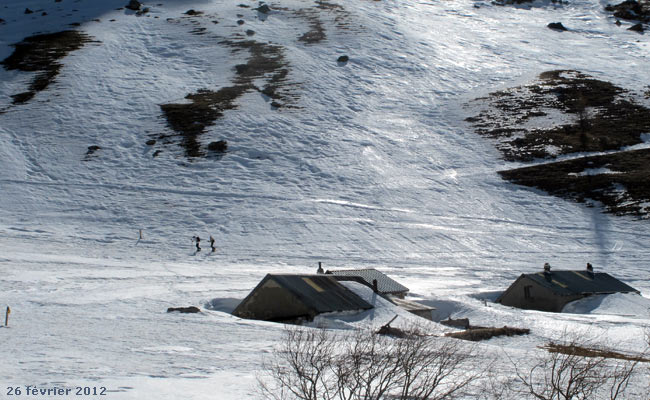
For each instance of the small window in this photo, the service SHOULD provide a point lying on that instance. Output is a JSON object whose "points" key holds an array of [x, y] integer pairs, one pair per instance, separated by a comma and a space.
{"points": [[527, 292]]}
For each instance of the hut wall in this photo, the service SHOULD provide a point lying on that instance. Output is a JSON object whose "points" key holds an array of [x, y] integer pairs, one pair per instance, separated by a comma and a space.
{"points": [[526, 293], [272, 302]]}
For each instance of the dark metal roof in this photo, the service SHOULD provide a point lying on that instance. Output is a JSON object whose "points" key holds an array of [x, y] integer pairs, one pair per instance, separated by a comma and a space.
{"points": [[384, 283], [320, 293], [580, 282]]}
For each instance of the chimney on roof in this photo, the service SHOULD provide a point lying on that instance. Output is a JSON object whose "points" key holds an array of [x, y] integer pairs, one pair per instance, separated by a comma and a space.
{"points": [[374, 285], [547, 268], [320, 269]]}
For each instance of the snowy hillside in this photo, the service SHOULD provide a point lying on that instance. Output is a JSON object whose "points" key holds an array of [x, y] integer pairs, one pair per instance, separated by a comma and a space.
{"points": [[364, 163]]}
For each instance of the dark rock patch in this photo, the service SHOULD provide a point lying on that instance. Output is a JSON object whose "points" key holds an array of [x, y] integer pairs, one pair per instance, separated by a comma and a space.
{"points": [[557, 26], [636, 28], [184, 310], [28, 11], [91, 151], [240, 22], [631, 10], [343, 59], [193, 13], [133, 5], [250, 32], [41, 54], [264, 9], [220, 146], [150, 142]]}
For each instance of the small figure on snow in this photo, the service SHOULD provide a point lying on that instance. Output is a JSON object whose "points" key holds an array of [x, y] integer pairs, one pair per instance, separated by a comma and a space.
{"points": [[212, 244], [320, 269], [198, 241]]}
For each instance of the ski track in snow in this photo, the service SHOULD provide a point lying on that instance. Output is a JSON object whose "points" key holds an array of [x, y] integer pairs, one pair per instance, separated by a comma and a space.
{"points": [[375, 169]]}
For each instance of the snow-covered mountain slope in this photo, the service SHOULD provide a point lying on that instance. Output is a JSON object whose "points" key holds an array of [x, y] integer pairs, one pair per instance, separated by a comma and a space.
{"points": [[371, 165]]}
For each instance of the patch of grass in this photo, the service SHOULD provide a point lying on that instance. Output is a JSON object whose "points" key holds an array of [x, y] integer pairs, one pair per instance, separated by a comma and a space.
{"points": [[41, 54], [576, 350], [624, 191], [477, 334]]}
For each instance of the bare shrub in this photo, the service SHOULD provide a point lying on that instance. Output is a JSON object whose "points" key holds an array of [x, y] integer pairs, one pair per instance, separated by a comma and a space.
{"points": [[572, 375], [319, 364]]}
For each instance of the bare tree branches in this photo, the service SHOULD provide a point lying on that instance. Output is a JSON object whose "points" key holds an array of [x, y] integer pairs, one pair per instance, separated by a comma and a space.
{"points": [[570, 375], [318, 364]]}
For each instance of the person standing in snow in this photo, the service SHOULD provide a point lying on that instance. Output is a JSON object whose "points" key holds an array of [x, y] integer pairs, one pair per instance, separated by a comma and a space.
{"points": [[198, 241], [212, 244]]}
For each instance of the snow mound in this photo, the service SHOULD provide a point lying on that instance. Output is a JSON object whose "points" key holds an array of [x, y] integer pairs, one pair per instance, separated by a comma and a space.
{"points": [[381, 313], [628, 304]]}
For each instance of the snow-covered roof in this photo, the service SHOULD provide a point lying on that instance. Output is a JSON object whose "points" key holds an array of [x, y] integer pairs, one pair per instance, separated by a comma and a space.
{"points": [[580, 282]]}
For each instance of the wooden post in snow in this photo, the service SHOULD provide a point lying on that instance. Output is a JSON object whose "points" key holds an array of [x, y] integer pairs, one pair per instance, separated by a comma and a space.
{"points": [[7, 316]]}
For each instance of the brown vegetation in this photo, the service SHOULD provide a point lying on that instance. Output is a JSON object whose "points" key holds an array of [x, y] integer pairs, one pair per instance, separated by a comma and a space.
{"points": [[191, 120], [625, 190], [599, 117], [583, 351], [602, 117], [478, 334], [40, 54], [571, 370]]}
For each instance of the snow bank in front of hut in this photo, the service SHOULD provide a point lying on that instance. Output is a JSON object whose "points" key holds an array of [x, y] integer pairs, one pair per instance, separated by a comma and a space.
{"points": [[627, 304], [381, 313]]}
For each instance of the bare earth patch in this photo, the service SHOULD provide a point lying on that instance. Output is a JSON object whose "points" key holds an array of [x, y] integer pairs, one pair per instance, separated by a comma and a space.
{"points": [[620, 181], [267, 61], [567, 112], [598, 116], [41, 54]]}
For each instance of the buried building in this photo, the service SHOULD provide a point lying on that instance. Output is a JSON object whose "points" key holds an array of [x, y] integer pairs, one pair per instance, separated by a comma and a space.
{"points": [[552, 290], [289, 297]]}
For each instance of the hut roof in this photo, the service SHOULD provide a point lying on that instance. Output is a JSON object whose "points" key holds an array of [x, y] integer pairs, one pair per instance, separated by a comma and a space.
{"points": [[320, 293], [384, 283], [580, 282]]}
